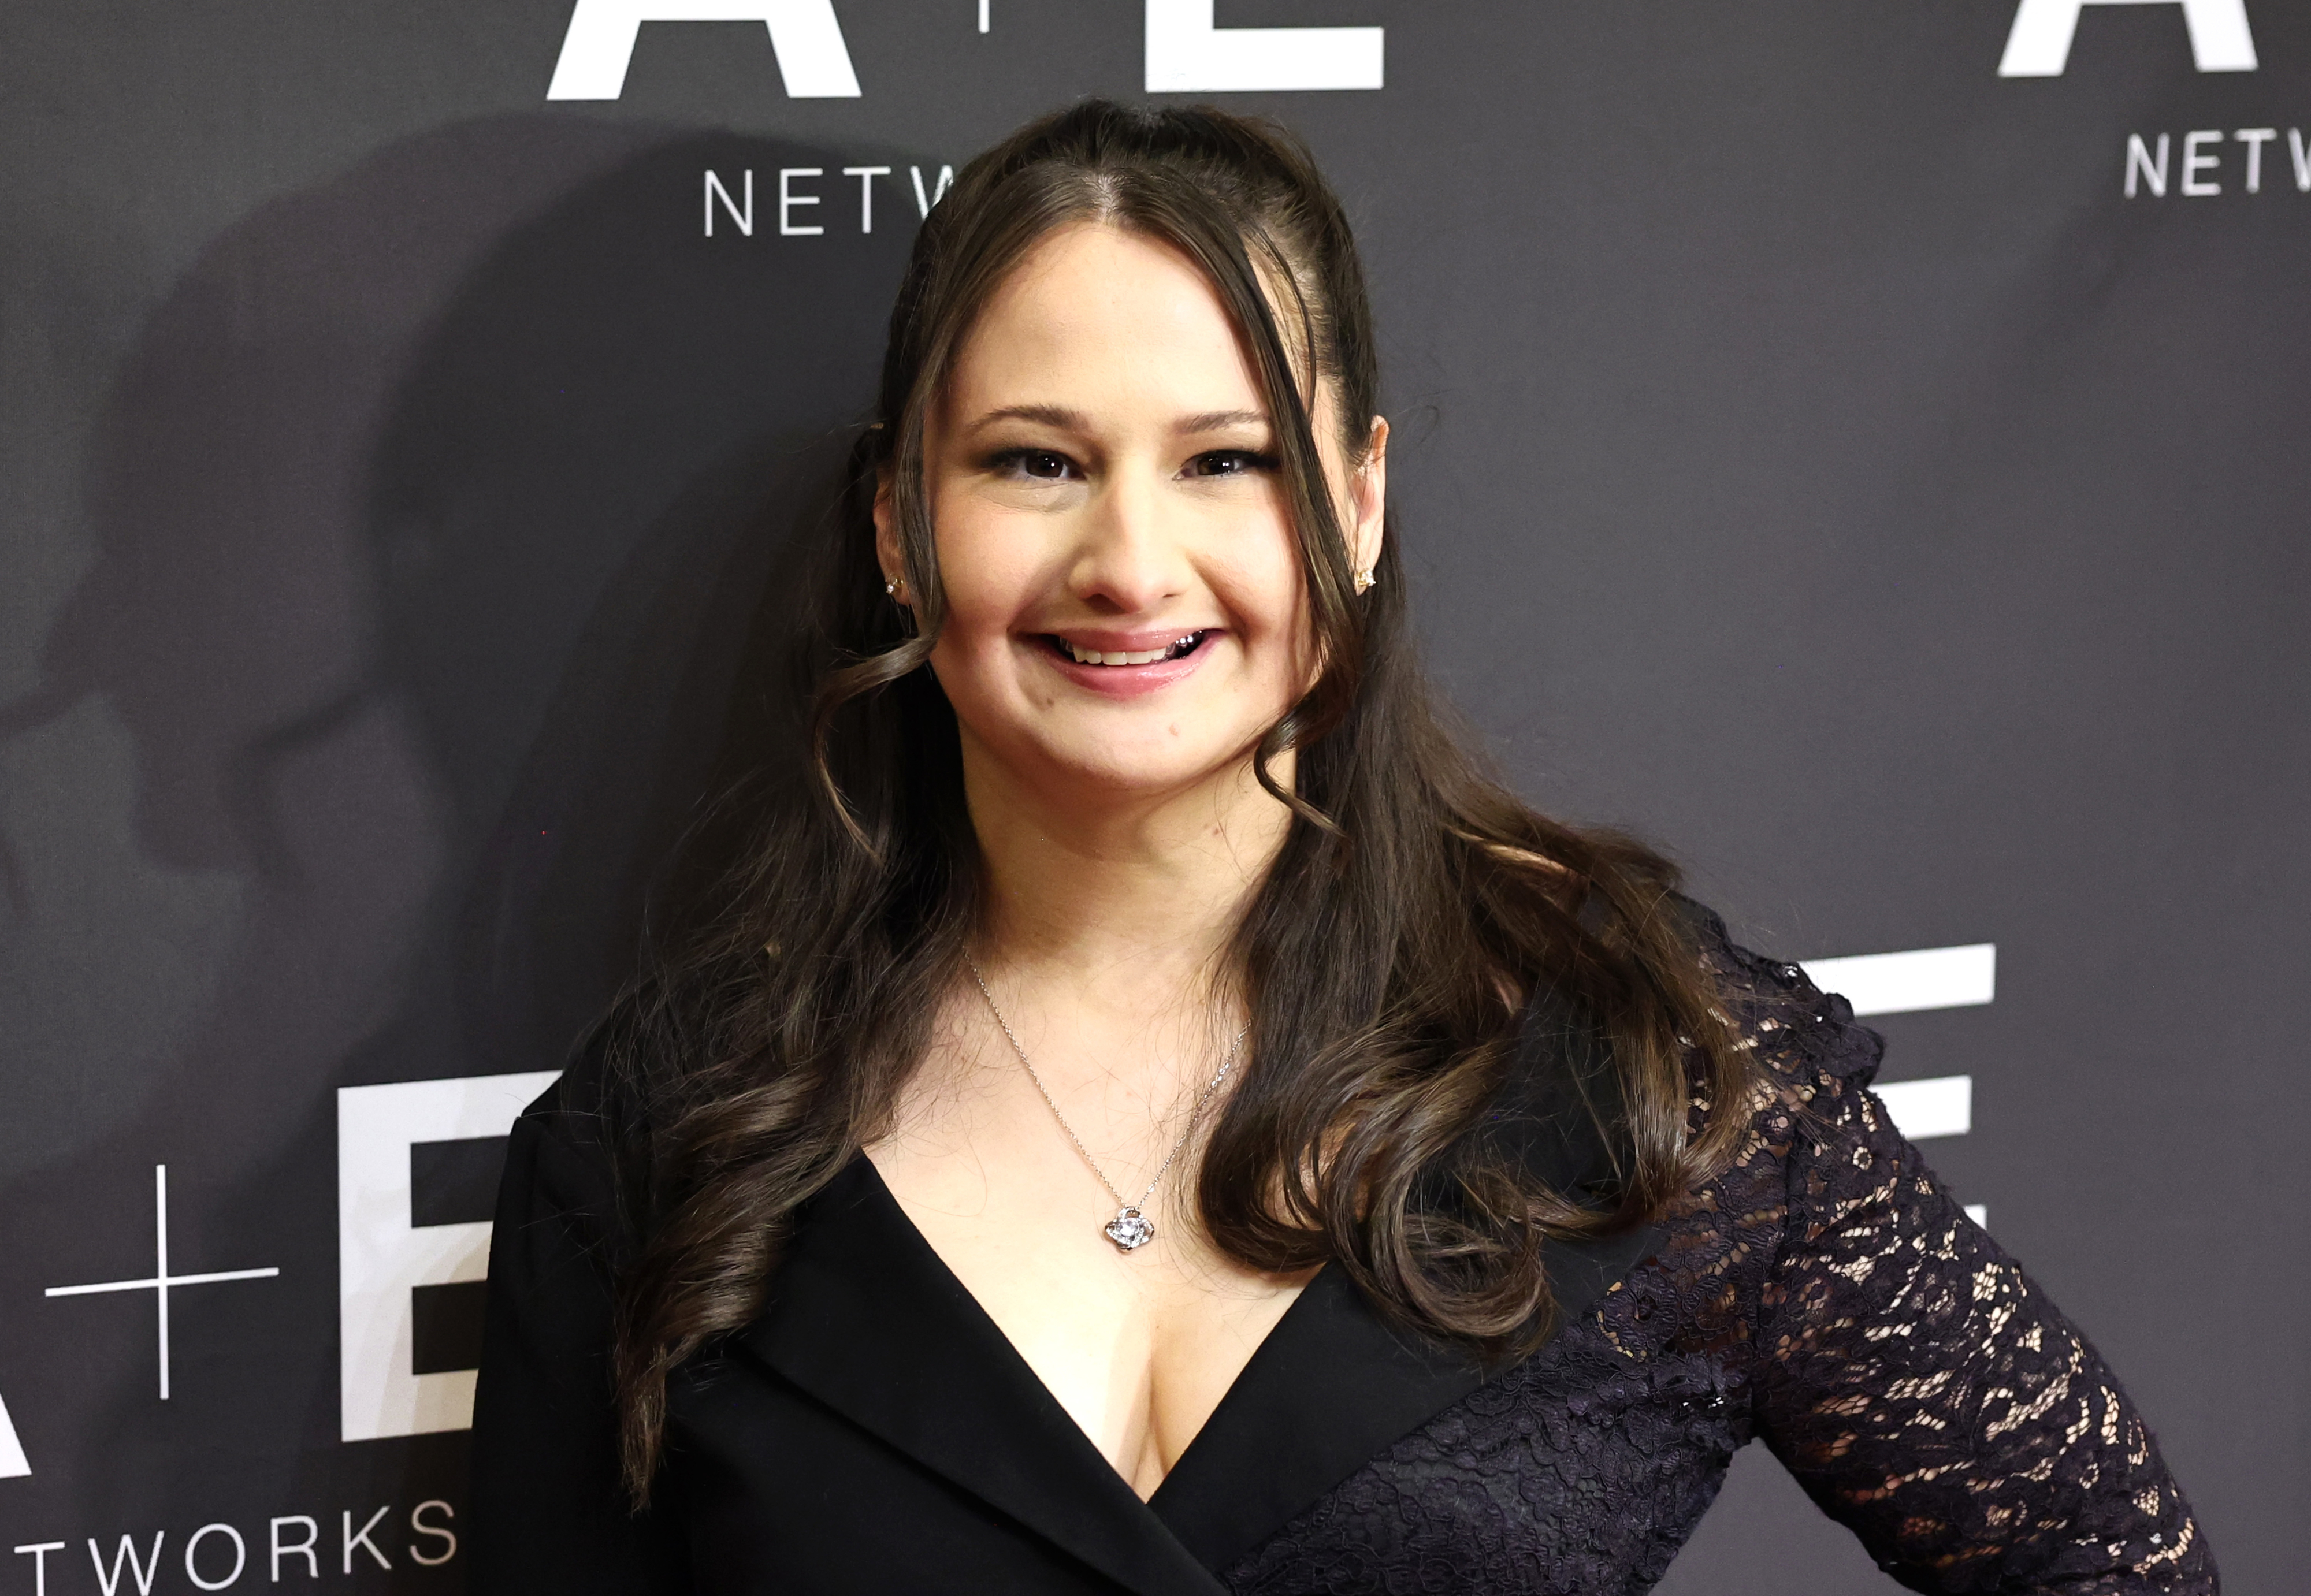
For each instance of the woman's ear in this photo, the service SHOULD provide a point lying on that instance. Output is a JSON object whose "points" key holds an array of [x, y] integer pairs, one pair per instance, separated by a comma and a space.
{"points": [[886, 538], [1368, 500]]}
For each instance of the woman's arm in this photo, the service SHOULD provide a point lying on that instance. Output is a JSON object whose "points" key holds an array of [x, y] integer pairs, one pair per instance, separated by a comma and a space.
{"points": [[549, 1514], [1928, 1395]]}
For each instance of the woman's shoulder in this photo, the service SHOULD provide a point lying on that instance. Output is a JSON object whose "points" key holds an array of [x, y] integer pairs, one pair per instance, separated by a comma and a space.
{"points": [[563, 1156], [1802, 1103], [574, 1109], [1811, 1062], [1805, 1042], [1806, 1106]]}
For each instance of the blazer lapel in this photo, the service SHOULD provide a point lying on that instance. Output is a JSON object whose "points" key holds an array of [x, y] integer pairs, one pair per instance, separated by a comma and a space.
{"points": [[1334, 1384], [866, 1318]]}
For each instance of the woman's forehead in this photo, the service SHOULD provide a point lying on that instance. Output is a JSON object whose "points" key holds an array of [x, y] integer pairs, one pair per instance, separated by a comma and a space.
{"points": [[1103, 309]]}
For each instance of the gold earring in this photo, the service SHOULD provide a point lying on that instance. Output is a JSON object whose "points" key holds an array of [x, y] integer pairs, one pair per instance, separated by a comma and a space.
{"points": [[896, 586], [1365, 581]]}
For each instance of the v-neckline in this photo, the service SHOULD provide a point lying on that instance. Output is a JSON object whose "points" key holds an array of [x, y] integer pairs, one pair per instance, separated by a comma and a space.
{"points": [[1240, 1399], [865, 1316]]}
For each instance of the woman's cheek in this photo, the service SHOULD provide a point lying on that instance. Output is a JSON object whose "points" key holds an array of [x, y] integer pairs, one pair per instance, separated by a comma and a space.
{"points": [[987, 584]]}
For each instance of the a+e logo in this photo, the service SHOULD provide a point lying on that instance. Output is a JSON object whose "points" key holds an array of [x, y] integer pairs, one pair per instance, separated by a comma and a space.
{"points": [[1188, 52]]}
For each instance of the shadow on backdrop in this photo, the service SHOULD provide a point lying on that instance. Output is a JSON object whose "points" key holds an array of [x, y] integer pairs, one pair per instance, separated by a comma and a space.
{"points": [[447, 516]]}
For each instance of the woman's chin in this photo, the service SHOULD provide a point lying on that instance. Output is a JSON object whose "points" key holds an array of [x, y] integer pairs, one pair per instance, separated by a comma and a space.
{"points": [[1131, 777]]}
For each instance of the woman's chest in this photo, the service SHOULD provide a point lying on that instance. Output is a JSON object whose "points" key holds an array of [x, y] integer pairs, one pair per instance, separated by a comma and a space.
{"points": [[1569, 1475], [874, 1429], [1138, 1345]]}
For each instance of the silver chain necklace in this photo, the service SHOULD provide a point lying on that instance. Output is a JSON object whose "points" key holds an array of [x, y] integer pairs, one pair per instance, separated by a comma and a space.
{"points": [[1131, 1229]]}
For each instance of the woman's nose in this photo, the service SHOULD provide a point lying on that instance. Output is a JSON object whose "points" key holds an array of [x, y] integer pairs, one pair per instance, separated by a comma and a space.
{"points": [[1130, 559]]}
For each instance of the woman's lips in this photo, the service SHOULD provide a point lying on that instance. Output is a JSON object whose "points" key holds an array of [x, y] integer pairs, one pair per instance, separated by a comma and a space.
{"points": [[1177, 655]]}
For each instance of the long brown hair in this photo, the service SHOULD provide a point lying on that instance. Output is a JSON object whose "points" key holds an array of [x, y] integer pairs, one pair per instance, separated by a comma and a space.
{"points": [[1414, 907]]}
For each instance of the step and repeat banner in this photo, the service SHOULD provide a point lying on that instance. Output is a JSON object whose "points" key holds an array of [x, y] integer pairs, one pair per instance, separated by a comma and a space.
{"points": [[1865, 448]]}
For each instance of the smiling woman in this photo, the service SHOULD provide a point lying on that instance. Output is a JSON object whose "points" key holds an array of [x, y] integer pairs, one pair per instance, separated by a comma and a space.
{"points": [[1152, 1111], [1123, 595]]}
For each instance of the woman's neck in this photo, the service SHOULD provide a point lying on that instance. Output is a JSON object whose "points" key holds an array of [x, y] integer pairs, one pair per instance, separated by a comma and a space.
{"points": [[1135, 896]]}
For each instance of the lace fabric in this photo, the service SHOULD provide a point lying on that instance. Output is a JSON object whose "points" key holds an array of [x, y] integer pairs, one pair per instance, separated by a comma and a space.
{"points": [[1825, 1295]]}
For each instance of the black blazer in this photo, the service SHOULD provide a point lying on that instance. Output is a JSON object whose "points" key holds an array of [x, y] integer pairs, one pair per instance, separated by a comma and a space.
{"points": [[872, 1430]]}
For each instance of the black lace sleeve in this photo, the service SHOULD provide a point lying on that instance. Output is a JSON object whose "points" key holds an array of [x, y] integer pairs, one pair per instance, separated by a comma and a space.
{"points": [[1913, 1379]]}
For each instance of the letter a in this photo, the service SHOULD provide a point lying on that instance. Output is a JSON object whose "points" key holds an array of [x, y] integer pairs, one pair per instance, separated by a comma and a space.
{"points": [[14, 1464], [2040, 44], [812, 59]]}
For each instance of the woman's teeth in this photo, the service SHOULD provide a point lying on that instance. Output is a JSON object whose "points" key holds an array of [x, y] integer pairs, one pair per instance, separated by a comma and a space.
{"points": [[1146, 656]]}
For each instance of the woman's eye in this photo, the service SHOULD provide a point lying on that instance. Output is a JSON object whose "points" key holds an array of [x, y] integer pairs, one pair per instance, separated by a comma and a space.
{"points": [[1042, 465], [1230, 462]]}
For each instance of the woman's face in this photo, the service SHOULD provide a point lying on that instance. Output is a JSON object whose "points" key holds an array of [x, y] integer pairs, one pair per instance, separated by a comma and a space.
{"points": [[1125, 610]]}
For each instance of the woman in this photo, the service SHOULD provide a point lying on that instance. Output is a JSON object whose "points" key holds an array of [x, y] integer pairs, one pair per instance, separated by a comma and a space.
{"points": [[1151, 1112]]}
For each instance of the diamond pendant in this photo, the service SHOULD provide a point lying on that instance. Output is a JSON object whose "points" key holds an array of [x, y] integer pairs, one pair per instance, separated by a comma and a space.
{"points": [[1129, 1230]]}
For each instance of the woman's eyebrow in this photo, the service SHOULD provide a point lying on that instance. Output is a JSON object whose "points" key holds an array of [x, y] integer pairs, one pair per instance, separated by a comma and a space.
{"points": [[1073, 421], [1219, 421], [1050, 416]]}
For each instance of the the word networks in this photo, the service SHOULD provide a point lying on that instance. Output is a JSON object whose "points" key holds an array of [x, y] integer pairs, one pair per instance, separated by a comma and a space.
{"points": [[797, 213], [2199, 173], [216, 1556]]}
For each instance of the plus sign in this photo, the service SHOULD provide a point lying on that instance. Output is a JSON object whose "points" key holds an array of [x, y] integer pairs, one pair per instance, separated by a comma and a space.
{"points": [[161, 1280]]}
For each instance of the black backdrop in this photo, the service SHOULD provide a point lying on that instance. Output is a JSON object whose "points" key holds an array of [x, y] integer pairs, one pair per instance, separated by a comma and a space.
{"points": [[1809, 452]]}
